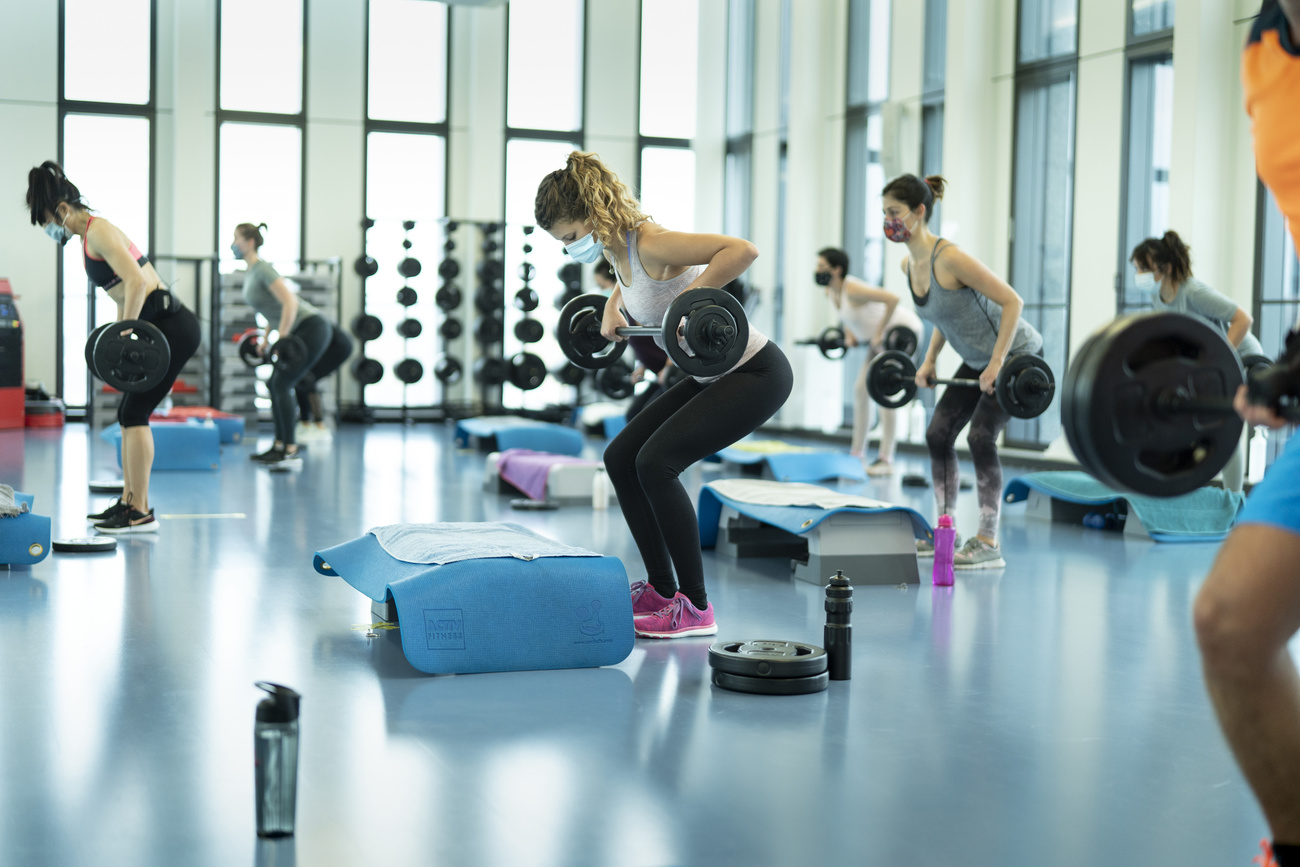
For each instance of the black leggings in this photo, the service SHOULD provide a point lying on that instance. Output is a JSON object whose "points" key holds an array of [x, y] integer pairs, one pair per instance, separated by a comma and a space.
{"points": [[314, 331], [687, 423], [959, 405], [340, 347], [181, 328]]}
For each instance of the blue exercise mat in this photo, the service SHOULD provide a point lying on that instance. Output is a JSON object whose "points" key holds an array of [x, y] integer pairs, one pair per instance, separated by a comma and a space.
{"points": [[498, 613], [792, 519], [1204, 515], [513, 432], [799, 466], [25, 538]]}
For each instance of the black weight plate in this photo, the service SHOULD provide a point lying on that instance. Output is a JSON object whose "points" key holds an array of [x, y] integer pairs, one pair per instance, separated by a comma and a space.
{"points": [[578, 333], [570, 274], [408, 225], [832, 343], [409, 371], [615, 382], [90, 348], [771, 685], [248, 352], [84, 545], [1113, 403], [448, 370], [490, 270], [365, 266], [136, 362], [891, 379], [488, 246], [1025, 386], [900, 338], [406, 296], [716, 331], [491, 371], [1255, 364], [367, 371], [768, 658], [488, 330], [106, 486], [366, 326], [409, 267], [450, 328], [449, 268], [410, 328], [488, 299], [529, 331], [523, 505], [527, 371], [288, 354], [526, 299], [447, 298], [527, 271], [570, 374]]}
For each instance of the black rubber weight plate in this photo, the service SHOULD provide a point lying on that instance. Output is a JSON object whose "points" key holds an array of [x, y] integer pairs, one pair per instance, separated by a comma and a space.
{"points": [[771, 685], [767, 659], [106, 486], [85, 545]]}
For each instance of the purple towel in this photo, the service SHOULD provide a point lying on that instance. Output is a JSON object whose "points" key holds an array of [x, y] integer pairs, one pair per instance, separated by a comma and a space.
{"points": [[527, 469]]}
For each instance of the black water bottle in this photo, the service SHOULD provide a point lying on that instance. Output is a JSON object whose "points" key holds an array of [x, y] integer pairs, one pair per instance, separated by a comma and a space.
{"points": [[275, 752], [838, 634]]}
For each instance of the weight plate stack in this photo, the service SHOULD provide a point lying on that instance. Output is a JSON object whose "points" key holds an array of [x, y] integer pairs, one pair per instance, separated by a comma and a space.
{"points": [[769, 667]]}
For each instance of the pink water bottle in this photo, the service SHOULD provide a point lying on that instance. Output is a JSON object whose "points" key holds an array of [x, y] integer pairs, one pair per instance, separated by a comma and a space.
{"points": [[945, 541]]}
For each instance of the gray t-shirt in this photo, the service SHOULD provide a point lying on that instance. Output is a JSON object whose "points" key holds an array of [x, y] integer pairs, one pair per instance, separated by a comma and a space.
{"points": [[257, 294], [1196, 299]]}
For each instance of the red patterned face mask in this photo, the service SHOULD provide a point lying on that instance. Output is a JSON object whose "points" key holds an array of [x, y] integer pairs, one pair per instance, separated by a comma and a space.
{"points": [[897, 230]]}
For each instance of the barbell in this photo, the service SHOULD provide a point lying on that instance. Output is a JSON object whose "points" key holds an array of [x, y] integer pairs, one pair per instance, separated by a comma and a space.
{"points": [[832, 342], [1024, 387], [132, 362], [286, 354]]}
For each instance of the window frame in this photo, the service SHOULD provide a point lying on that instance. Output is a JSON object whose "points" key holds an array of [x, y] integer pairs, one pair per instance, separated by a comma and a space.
{"points": [[147, 111], [1133, 39], [857, 121], [646, 141], [740, 144], [1271, 232]]}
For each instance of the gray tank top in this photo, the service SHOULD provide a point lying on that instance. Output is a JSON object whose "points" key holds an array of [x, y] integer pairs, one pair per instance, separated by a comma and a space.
{"points": [[646, 300], [969, 320]]}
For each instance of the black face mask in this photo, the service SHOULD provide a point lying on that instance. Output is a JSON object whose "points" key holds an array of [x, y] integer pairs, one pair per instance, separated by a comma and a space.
{"points": [[823, 278]]}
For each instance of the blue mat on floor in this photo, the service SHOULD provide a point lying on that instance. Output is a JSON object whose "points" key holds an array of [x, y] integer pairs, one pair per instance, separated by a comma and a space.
{"points": [[25, 538], [499, 613], [799, 466], [792, 519], [512, 432], [1204, 515], [188, 446]]}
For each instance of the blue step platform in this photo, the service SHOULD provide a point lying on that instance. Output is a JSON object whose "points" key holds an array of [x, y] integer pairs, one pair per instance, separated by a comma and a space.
{"points": [[25, 538], [189, 446]]}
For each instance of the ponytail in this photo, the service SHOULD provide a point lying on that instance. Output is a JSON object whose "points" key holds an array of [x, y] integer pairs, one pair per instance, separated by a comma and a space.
{"points": [[47, 188], [1168, 253], [586, 190], [253, 233], [915, 192]]}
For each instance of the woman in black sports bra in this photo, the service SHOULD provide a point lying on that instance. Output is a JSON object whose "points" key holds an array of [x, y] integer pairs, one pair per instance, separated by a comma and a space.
{"points": [[117, 266]]}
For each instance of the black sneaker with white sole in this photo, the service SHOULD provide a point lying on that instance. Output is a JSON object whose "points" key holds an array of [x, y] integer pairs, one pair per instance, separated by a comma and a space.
{"points": [[129, 521], [280, 459], [112, 510]]}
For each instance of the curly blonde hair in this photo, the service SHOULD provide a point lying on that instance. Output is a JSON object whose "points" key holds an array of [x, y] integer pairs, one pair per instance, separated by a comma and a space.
{"points": [[585, 190]]}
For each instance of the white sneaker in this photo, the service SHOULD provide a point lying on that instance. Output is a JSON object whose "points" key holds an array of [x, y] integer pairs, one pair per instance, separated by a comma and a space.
{"points": [[879, 469]]}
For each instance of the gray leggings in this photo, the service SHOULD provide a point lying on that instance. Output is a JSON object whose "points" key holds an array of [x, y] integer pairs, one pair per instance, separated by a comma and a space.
{"points": [[959, 405], [315, 331]]}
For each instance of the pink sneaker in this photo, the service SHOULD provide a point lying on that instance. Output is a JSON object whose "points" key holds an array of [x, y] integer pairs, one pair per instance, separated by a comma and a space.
{"points": [[646, 599], [680, 619], [1266, 858]]}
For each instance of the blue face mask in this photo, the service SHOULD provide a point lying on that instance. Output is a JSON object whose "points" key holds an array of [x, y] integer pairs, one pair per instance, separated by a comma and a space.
{"points": [[235, 249], [57, 232], [586, 249]]}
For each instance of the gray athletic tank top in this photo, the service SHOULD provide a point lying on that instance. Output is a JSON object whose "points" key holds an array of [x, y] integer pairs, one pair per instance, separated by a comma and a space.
{"points": [[970, 320], [646, 300]]}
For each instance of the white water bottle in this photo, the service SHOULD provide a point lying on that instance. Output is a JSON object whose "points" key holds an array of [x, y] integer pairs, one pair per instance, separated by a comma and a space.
{"points": [[600, 489], [1258, 456], [916, 422]]}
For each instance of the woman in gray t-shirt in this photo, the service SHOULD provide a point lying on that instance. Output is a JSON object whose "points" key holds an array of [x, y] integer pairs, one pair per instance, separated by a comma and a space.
{"points": [[1164, 268]]}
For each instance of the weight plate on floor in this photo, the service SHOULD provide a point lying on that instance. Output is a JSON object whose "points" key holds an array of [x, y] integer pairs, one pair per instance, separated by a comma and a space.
{"points": [[133, 363], [771, 685], [106, 486], [891, 379], [768, 658], [84, 545]]}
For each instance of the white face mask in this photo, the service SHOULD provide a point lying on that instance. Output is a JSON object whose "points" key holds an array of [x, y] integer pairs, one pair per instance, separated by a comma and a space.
{"points": [[1144, 280]]}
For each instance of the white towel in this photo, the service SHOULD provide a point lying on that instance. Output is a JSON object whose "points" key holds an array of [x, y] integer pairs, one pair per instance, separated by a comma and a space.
{"points": [[10, 507], [452, 542], [767, 493]]}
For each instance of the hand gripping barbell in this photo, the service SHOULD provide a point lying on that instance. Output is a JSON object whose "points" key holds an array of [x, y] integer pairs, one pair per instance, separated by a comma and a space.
{"points": [[1024, 386], [1147, 403], [286, 354], [712, 323]]}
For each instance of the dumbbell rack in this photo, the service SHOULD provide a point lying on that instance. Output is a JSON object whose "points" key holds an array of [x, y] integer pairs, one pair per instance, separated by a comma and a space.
{"points": [[235, 384]]}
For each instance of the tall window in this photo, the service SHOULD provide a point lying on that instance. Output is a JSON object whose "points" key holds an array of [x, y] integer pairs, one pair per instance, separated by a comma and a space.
{"points": [[406, 181], [1277, 291], [544, 120], [868, 88], [669, 81], [738, 178], [106, 137], [261, 126], [933, 84], [1150, 16], [783, 149], [1043, 195], [1146, 166]]}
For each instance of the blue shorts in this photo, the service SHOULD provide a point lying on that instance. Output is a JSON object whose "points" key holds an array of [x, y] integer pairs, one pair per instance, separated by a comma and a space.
{"points": [[1276, 500]]}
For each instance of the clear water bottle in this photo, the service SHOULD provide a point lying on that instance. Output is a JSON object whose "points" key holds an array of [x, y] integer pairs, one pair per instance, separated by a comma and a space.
{"points": [[916, 421], [945, 543], [275, 760], [1258, 456], [600, 489]]}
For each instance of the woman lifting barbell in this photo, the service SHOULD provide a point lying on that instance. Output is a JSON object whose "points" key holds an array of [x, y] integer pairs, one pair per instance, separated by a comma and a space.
{"points": [[119, 268], [1163, 267], [589, 210], [979, 314], [867, 314], [266, 292]]}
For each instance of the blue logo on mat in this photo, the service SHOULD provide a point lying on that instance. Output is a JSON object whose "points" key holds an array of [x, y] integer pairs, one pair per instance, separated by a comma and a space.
{"points": [[444, 628], [589, 619]]}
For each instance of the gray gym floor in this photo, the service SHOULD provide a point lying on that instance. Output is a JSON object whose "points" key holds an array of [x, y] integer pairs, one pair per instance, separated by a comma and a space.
{"points": [[1051, 713]]}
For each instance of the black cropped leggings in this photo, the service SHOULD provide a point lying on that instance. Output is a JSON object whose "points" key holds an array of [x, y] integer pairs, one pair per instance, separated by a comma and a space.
{"points": [[314, 331], [687, 423], [340, 347], [959, 405], [183, 333]]}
